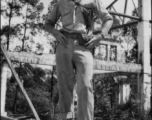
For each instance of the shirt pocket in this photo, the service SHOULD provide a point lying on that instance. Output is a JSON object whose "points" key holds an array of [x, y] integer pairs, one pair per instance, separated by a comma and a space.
{"points": [[66, 16], [65, 11]]}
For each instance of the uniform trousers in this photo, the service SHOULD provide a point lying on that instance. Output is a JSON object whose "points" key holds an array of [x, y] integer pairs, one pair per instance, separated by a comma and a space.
{"points": [[75, 63]]}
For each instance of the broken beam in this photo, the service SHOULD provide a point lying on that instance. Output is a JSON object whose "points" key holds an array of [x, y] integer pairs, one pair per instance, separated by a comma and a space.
{"points": [[124, 15], [109, 6], [49, 59], [124, 25]]}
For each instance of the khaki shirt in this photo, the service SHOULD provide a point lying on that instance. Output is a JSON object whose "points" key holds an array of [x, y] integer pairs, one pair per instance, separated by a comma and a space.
{"points": [[71, 16]]}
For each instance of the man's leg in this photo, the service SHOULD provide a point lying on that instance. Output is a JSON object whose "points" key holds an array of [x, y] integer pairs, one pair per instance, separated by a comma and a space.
{"points": [[65, 76], [84, 71]]}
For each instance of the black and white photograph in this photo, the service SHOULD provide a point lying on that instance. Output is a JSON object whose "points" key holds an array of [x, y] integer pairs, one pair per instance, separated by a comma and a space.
{"points": [[76, 60]]}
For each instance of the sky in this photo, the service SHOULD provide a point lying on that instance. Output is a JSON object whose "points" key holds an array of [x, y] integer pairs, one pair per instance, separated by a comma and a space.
{"points": [[119, 6]]}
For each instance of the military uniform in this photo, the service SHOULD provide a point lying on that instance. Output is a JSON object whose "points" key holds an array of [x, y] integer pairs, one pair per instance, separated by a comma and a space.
{"points": [[75, 62]]}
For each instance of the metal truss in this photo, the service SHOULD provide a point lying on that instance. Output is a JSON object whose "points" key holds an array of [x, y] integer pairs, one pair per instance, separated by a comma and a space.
{"points": [[124, 15]]}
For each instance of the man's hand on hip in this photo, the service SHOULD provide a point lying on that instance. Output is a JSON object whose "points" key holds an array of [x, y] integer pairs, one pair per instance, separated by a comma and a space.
{"points": [[60, 37], [93, 42]]}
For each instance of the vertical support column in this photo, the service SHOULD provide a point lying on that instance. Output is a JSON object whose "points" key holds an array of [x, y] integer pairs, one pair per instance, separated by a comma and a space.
{"points": [[108, 52], [117, 49], [124, 89], [4, 70], [126, 2], [124, 93], [144, 79], [120, 94]]}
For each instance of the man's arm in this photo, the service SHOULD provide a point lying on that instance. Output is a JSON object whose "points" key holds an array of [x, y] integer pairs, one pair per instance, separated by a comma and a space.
{"points": [[107, 20], [50, 23], [104, 15], [106, 27], [58, 35], [97, 38]]}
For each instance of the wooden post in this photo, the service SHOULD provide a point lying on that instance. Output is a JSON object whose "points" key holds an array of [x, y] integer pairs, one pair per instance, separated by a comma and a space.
{"points": [[20, 84], [4, 70], [124, 93], [108, 52], [124, 89], [120, 94], [126, 2], [144, 79]]}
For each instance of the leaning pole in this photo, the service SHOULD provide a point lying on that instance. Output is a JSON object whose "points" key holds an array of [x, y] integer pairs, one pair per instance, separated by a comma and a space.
{"points": [[144, 79]]}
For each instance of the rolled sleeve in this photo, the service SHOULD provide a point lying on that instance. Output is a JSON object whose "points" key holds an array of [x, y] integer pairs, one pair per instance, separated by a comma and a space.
{"points": [[101, 11], [53, 16]]}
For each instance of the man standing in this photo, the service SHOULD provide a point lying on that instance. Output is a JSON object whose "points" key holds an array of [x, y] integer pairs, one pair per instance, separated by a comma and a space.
{"points": [[74, 60]]}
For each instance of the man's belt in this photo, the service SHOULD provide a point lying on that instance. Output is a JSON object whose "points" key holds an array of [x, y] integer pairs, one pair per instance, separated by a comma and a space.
{"points": [[82, 39], [77, 36], [71, 35]]}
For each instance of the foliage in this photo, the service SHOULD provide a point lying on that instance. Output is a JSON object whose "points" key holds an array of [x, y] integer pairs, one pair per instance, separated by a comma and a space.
{"points": [[104, 96], [39, 48], [30, 21], [9, 11], [127, 38], [106, 100], [38, 82], [38, 85]]}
